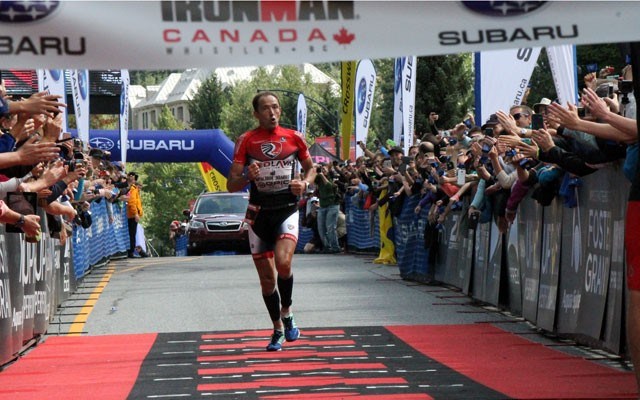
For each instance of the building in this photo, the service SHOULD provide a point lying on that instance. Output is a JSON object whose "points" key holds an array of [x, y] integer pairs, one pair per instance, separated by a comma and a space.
{"points": [[179, 88]]}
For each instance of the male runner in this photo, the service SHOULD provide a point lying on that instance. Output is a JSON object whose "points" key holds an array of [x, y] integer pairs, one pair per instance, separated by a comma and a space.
{"points": [[267, 158]]}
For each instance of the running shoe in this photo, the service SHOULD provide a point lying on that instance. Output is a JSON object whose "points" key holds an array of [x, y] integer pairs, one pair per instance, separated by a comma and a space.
{"points": [[276, 341], [291, 331]]}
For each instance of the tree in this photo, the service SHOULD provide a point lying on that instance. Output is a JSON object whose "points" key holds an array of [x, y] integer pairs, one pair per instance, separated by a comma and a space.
{"points": [[166, 120], [166, 191], [445, 85], [206, 106], [287, 82], [146, 78]]}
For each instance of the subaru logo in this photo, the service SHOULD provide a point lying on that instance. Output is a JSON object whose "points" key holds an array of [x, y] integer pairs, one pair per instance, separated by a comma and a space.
{"points": [[55, 74], [503, 8], [362, 95], [101, 143], [83, 83], [26, 11]]}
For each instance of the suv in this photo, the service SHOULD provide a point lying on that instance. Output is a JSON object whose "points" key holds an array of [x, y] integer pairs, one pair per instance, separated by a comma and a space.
{"points": [[217, 223]]}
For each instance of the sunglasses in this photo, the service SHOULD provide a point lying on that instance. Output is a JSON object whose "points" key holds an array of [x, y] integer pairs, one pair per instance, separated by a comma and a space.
{"points": [[517, 116]]}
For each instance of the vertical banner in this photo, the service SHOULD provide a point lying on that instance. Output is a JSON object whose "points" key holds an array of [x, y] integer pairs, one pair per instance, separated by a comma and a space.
{"points": [[529, 248], [397, 98], [562, 61], [302, 115], [80, 90], [504, 76], [52, 80], [408, 101], [124, 115], [346, 111], [365, 87], [214, 180]]}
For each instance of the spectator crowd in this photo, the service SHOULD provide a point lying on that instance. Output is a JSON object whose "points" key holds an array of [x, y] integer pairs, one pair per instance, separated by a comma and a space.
{"points": [[42, 166]]}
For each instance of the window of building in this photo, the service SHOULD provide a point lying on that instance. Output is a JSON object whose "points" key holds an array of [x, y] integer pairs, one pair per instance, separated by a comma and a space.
{"points": [[180, 116]]}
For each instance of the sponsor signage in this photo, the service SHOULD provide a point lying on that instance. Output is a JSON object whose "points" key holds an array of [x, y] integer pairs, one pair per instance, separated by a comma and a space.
{"points": [[187, 34]]}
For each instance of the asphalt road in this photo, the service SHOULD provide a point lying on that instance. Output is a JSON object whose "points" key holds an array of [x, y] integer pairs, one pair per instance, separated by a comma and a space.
{"points": [[218, 293]]}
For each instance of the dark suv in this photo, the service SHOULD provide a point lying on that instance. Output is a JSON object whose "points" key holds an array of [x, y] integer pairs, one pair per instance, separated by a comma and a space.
{"points": [[217, 223]]}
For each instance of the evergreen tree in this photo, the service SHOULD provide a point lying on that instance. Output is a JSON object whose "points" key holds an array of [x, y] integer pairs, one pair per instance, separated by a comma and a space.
{"points": [[166, 120], [444, 85], [207, 104]]}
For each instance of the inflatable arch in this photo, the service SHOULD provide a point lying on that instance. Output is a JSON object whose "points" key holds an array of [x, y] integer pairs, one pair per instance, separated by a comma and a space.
{"points": [[210, 145]]}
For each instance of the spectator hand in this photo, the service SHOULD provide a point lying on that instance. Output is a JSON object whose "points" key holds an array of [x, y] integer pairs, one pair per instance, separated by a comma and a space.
{"points": [[528, 150], [567, 117], [33, 152], [507, 122], [41, 103], [543, 139], [597, 106]]}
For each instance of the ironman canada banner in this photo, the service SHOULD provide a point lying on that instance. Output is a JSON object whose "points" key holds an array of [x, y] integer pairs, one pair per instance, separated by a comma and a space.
{"points": [[188, 34]]}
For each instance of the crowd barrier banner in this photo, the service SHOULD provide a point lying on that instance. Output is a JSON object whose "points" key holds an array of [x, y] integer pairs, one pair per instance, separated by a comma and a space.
{"points": [[529, 247], [465, 255], [494, 267], [362, 231], [549, 265], [448, 254], [35, 278], [514, 268], [409, 239], [6, 311], [481, 262], [615, 293]]}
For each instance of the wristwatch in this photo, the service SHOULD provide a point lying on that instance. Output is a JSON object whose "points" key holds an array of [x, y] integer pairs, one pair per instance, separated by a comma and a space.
{"points": [[20, 222], [523, 131]]}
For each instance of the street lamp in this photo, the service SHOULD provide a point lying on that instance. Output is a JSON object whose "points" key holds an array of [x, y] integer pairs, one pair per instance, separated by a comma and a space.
{"points": [[333, 125]]}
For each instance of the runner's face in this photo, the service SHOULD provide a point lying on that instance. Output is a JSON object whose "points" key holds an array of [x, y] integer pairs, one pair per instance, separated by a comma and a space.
{"points": [[268, 113]]}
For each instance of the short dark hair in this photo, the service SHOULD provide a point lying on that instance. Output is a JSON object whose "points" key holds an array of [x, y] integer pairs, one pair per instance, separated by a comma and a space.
{"points": [[133, 174], [257, 97]]}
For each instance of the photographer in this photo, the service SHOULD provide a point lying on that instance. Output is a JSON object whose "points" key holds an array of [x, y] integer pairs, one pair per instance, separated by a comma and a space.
{"points": [[328, 211]]}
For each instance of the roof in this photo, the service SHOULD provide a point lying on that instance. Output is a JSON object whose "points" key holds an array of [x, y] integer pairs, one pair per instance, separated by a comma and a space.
{"points": [[179, 87]]}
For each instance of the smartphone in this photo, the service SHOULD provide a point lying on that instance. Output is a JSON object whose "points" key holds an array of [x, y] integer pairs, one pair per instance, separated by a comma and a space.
{"points": [[582, 112], [25, 203], [64, 140], [537, 122], [462, 176]]}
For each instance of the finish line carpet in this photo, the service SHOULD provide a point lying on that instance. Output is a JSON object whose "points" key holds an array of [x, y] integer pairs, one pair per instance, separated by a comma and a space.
{"points": [[477, 361]]}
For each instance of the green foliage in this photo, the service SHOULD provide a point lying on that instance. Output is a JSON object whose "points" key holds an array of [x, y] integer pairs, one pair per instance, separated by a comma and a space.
{"points": [[444, 85], [541, 82], [286, 82], [166, 120], [206, 106], [166, 191]]}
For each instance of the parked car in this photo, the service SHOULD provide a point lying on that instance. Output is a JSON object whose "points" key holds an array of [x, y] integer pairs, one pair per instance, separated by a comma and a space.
{"points": [[216, 223]]}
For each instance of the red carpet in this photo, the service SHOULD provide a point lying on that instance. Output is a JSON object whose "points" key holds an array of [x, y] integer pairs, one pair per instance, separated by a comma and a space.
{"points": [[79, 367], [477, 361], [514, 366]]}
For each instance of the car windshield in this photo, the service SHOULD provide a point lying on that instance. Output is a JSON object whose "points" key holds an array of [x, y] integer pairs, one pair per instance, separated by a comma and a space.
{"points": [[222, 205]]}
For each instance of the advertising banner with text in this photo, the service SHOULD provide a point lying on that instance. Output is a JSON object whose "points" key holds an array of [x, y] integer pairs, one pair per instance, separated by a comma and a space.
{"points": [[188, 34]]}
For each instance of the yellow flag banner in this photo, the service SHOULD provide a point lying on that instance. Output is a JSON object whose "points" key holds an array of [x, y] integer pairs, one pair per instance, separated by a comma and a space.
{"points": [[346, 111], [215, 181], [387, 248]]}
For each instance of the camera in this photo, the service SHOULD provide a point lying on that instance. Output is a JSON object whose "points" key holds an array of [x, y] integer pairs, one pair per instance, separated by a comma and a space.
{"points": [[510, 153], [434, 164], [486, 148], [625, 87], [77, 143], [582, 112], [527, 163], [488, 132], [484, 160], [452, 142]]}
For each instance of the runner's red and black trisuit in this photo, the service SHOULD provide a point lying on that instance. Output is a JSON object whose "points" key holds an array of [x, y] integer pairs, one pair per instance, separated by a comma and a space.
{"points": [[278, 152]]}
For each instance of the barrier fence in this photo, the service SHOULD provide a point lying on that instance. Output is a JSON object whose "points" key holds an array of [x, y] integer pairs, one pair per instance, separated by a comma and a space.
{"points": [[35, 278], [561, 268]]}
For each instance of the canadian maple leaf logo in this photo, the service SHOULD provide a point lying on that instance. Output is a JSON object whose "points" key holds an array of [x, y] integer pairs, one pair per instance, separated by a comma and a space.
{"points": [[344, 37]]}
